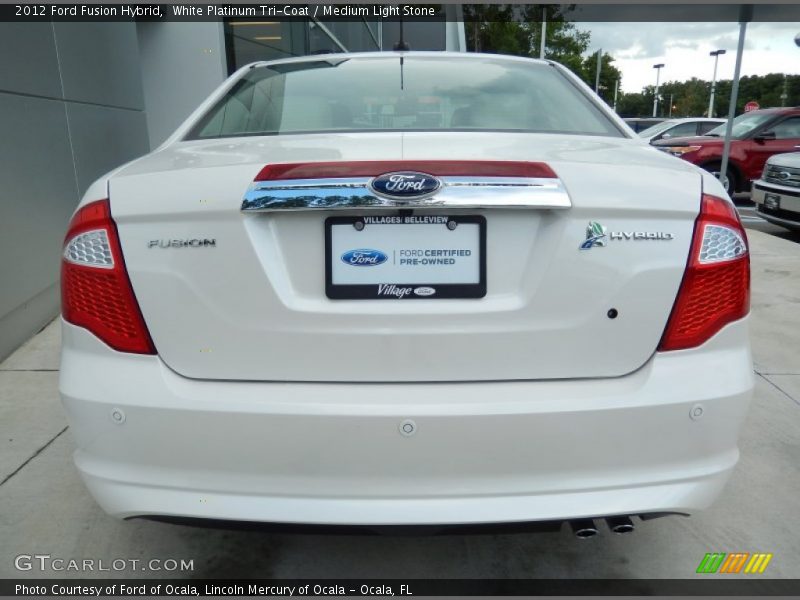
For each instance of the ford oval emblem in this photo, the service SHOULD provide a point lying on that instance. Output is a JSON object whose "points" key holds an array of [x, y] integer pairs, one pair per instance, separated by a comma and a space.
{"points": [[405, 185], [424, 291], [364, 257]]}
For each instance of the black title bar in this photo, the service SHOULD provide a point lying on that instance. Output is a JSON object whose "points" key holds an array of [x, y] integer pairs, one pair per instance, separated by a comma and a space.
{"points": [[216, 12], [678, 12], [289, 588]]}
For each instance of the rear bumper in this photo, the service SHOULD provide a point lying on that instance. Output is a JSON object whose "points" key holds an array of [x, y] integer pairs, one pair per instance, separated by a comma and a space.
{"points": [[483, 452]]}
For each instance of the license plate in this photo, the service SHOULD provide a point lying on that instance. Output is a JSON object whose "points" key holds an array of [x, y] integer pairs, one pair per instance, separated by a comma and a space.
{"points": [[772, 201], [407, 257]]}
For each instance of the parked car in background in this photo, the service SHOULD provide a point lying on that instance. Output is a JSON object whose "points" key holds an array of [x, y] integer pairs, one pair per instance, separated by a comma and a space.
{"points": [[320, 301], [756, 136], [675, 128], [641, 123], [777, 192]]}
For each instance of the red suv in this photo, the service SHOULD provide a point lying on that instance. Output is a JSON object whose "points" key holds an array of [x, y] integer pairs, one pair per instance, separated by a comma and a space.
{"points": [[756, 136]]}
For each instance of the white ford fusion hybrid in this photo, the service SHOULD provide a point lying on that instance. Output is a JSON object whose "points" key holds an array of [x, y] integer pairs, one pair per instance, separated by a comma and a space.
{"points": [[405, 289]]}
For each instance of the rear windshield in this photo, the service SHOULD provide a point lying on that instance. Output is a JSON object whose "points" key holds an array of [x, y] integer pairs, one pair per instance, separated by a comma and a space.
{"points": [[743, 125], [409, 93]]}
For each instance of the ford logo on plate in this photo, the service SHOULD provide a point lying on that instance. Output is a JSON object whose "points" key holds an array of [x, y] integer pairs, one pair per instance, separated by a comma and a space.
{"points": [[405, 184], [424, 291], [364, 257]]}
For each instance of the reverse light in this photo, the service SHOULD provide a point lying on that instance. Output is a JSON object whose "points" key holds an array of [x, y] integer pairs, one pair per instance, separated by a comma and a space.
{"points": [[96, 292], [91, 249], [716, 285], [720, 244]]}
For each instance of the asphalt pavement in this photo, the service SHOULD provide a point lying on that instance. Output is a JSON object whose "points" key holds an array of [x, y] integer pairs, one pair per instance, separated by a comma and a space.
{"points": [[45, 509]]}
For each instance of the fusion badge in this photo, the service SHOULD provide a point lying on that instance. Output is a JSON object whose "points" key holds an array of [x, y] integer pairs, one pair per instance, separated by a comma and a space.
{"points": [[192, 243]]}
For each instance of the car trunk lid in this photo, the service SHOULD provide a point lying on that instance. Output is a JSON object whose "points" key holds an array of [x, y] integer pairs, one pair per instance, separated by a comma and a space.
{"points": [[233, 295]]}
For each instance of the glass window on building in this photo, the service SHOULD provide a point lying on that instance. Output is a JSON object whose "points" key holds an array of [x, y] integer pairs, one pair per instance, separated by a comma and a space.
{"points": [[419, 35], [250, 41], [344, 36]]}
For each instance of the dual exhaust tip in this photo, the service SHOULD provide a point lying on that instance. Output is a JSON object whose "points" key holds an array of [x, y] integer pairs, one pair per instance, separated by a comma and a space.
{"points": [[586, 528]]}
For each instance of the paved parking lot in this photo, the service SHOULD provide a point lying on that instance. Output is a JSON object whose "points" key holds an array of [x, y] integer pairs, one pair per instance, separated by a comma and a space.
{"points": [[44, 508]]}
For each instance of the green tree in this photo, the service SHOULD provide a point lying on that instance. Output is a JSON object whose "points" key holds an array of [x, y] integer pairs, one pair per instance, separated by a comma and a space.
{"points": [[564, 43], [517, 29], [635, 105], [496, 28], [609, 75], [690, 98]]}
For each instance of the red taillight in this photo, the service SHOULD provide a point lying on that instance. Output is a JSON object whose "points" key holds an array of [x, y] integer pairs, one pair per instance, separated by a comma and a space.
{"points": [[95, 290], [716, 286]]}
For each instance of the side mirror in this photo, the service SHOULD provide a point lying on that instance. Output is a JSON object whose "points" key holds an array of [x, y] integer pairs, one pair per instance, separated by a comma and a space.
{"points": [[665, 136], [764, 135]]}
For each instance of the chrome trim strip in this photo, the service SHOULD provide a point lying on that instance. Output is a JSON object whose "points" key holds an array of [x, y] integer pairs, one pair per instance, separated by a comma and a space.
{"points": [[501, 181], [300, 184], [456, 192]]}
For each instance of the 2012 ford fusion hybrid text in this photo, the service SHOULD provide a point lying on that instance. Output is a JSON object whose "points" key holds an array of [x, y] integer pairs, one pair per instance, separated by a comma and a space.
{"points": [[404, 289]]}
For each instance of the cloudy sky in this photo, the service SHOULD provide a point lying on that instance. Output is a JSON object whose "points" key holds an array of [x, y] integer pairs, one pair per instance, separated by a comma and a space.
{"points": [[684, 48]]}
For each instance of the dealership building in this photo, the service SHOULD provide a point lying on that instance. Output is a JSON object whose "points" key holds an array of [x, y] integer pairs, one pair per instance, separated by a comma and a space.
{"points": [[78, 99]]}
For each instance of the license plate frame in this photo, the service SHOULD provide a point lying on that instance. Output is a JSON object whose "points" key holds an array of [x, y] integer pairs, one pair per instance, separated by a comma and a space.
{"points": [[409, 291]]}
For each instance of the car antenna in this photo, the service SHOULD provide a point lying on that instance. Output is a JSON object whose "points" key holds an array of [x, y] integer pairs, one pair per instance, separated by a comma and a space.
{"points": [[401, 45]]}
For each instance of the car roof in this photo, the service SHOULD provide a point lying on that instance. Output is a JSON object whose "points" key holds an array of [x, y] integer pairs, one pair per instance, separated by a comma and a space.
{"points": [[777, 110], [685, 119]]}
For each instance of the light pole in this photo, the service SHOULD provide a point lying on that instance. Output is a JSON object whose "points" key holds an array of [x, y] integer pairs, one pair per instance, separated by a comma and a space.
{"points": [[597, 75], [745, 15], [544, 33], [784, 94], [715, 54], [655, 99]]}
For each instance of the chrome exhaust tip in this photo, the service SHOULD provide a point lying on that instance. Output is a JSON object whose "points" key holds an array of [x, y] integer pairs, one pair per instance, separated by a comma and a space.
{"points": [[583, 528], [620, 525]]}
